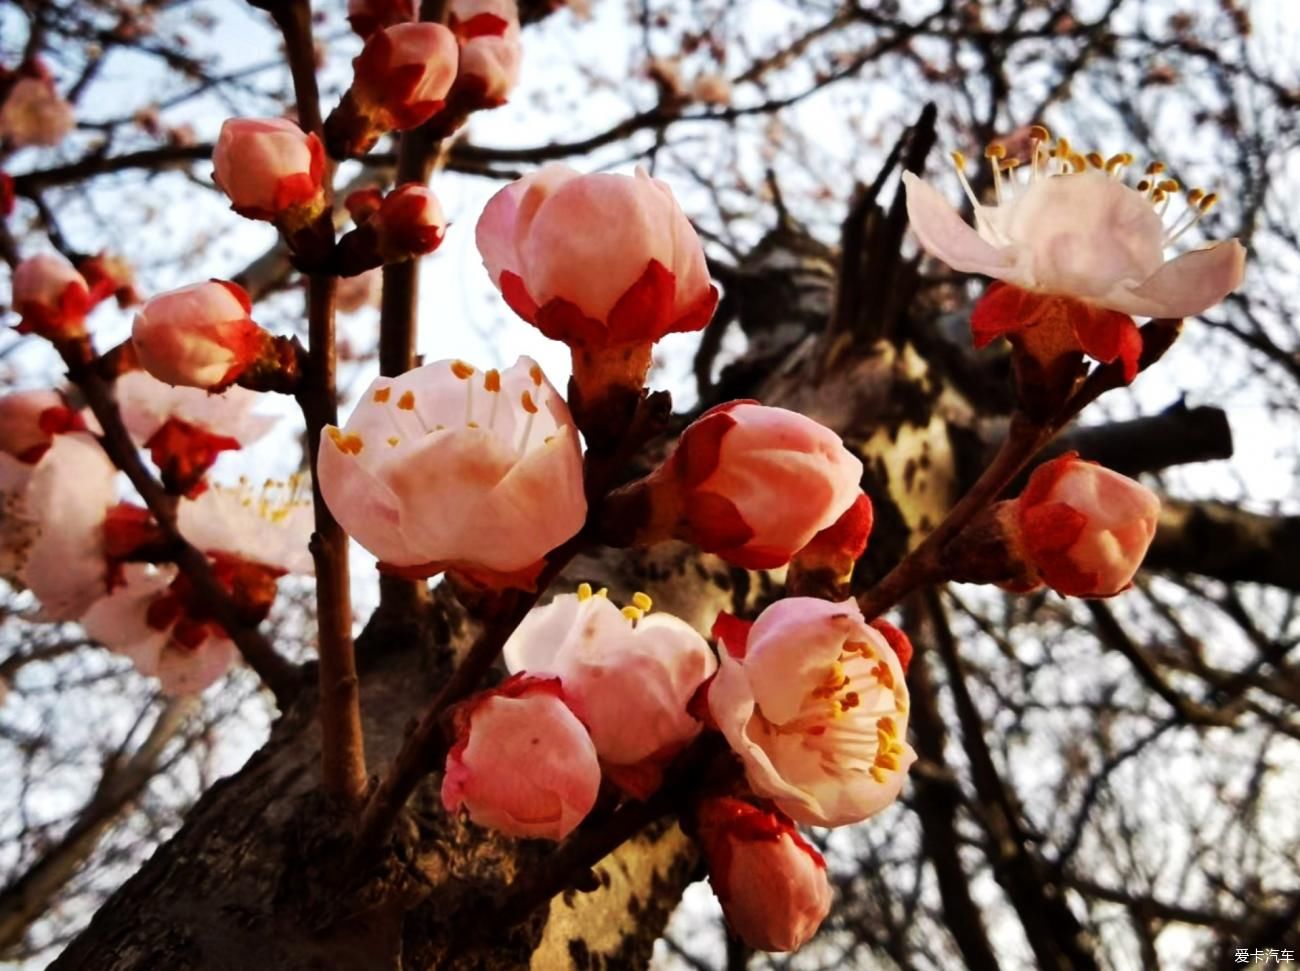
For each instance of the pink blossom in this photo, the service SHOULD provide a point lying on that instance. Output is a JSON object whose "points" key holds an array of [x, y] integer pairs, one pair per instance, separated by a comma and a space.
{"points": [[367, 16], [200, 336], [629, 676], [268, 525], [490, 51], [268, 166], [813, 701], [445, 468], [121, 622], [68, 497], [541, 237], [771, 883], [35, 114], [186, 428], [1083, 528], [403, 74], [29, 420], [522, 763], [754, 484], [1075, 231], [51, 297]]}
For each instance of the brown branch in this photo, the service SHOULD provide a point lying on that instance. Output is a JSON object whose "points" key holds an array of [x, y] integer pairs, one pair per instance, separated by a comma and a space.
{"points": [[343, 755], [1230, 544], [163, 157]]}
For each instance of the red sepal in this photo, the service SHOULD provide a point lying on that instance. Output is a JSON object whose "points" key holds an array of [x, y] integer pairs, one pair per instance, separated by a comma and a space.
{"points": [[7, 196], [480, 25], [725, 820], [1051, 527], [846, 537], [239, 293], [1003, 309], [563, 321], [700, 447], [293, 190], [517, 297], [641, 314], [899, 641], [697, 315], [732, 633], [524, 578], [184, 453], [1107, 335], [715, 525]]}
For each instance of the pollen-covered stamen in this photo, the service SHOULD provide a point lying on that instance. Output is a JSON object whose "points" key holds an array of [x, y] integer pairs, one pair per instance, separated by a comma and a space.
{"points": [[584, 592], [492, 385], [995, 153], [277, 498], [464, 372], [527, 403], [1038, 139], [959, 163], [1198, 204]]}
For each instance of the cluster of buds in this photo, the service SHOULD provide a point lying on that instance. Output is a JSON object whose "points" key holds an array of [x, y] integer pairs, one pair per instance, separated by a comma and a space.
{"points": [[541, 238], [490, 52], [1074, 253], [402, 225], [400, 80]]}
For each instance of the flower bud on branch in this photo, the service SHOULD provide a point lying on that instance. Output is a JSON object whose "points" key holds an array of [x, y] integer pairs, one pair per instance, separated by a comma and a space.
{"points": [[51, 297], [405, 224], [402, 77]]}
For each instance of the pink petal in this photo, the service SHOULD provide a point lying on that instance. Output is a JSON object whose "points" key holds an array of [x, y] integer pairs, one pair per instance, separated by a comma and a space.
{"points": [[1188, 285], [946, 236]]}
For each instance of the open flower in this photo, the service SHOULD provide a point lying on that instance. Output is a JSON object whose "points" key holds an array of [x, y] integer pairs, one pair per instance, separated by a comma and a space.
{"points": [[813, 701], [522, 763], [752, 484], [51, 297], [771, 883], [401, 79], [270, 169], [200, 336], [35, 114], [490, 52], [541, 237], [1081, 528], [446, 468], [185, 429], [1078, 249], [127, 623], [629, 676]]}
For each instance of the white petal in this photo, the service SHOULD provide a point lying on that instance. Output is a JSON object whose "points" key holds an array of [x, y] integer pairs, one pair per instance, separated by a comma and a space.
{"points": [[1187, 285]]}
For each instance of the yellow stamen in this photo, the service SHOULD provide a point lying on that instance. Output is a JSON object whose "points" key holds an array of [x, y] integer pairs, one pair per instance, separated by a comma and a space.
{"points": [[996, 151], [632, 613], [642, 601], [584, 592]]}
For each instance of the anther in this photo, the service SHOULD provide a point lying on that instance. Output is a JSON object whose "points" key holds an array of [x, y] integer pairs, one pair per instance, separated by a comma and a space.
{"points": [[584, 592], [1039, 133], [462, 370], [996, 151], [535, 372], [632, 613], [1095, 160], [492, 380], [407, 401], [642, 601], [383, 394]]}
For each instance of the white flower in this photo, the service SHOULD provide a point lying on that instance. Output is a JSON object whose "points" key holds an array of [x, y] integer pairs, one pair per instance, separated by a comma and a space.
{"points": [[1073, 228], [270, 525], [147, 404]]}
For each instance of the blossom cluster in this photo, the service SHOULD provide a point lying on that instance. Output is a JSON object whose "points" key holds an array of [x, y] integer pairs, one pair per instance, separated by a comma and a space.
{"points": [[494, 478]]}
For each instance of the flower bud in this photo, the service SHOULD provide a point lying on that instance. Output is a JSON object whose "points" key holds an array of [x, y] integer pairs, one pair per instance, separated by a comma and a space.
{"points": [[408, 223], [1081, 528], [630, 677], [109, 276], [771, 883], [367, 16], [401, 79], [490, 52], [750, 483], [200, 336], [541, 236], [270, 169], [522, 762], [51, 297], [29, 420], [35, 114]]}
